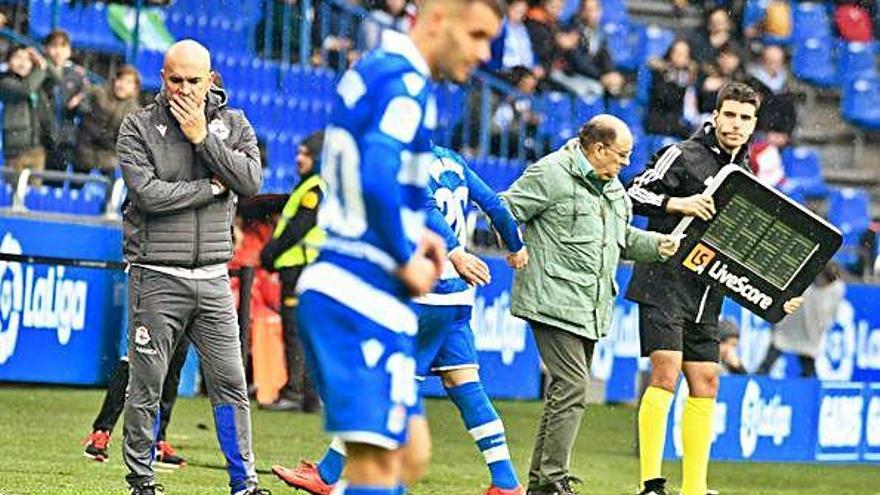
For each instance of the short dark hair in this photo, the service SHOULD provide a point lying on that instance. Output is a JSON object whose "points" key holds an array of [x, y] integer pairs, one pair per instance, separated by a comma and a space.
{"points": [[737, 91], [497, 6], [129, 70], [596, 131], [13, 50], [56, 36]]}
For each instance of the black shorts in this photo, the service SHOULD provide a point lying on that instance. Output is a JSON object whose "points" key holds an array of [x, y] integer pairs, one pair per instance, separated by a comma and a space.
{"points": [[661, 330]]}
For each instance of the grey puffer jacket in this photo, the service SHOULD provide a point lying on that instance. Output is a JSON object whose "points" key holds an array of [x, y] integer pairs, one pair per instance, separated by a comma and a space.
{"points": [[171, 216]]}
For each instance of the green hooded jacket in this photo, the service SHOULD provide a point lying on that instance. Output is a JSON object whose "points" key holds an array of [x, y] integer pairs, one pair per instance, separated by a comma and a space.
{"points": [[576, 228]]}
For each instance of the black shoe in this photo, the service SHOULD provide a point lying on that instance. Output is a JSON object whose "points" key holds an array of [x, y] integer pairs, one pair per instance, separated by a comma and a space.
{"points": [[284, 404], [656, 486], [150, 489], [558, 487], [255, 491]]}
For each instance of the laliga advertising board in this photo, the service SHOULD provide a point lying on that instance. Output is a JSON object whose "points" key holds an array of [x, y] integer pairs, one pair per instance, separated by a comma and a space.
{"points": [[761, 248], [58, 324]]}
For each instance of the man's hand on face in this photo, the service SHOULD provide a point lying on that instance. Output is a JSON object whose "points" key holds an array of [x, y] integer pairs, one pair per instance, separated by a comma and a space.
{"points": [[191, 117]]}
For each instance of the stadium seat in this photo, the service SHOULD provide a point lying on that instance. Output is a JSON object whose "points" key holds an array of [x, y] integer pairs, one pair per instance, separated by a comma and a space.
{"points": [[849, 210], [860, 102], [653, 42], [623, 44], [149, 64], [811, 20], [813, 61], [558, 126], [803, 170], [856, 60], [628, 110], [584, 110]]}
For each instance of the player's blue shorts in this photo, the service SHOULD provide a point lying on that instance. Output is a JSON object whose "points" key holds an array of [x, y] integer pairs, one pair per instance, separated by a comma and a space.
{"points": [[363, 371], [445, 340]]}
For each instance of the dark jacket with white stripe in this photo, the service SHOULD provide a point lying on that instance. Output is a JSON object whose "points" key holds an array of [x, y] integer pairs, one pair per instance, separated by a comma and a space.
{"points": [[679, 170]]}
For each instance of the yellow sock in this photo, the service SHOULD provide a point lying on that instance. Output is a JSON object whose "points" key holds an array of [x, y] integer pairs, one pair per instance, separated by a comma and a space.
{"points": [[653, 414], [696, 437]]}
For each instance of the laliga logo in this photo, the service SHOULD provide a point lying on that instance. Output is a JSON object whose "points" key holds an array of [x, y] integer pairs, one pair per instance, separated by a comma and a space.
{"points": [[11, 298], [30, 301], [762, 419], [850, 343], [496, 330]]}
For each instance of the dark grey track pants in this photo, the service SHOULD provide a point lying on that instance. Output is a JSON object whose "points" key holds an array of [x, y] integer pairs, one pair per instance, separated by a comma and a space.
{"points": [[163, 308]]}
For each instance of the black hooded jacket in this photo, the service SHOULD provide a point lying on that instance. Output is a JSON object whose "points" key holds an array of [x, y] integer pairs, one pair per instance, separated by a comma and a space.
{"points": [[678, 170]]}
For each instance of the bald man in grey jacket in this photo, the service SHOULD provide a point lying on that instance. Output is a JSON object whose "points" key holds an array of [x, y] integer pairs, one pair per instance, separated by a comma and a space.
{"points": [[185, 159]]}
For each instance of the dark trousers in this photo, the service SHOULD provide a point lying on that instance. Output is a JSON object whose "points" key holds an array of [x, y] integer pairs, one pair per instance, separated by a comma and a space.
{"points": [[299, 384], [114, 399], [808, 363], [567, 358]]}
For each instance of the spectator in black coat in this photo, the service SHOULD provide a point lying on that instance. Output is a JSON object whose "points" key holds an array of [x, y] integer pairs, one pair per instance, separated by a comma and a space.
{"points": [[588, 69], [727, 67], [715, 32], [548, 40], [772, 79], [63, 97], [672, 110]]}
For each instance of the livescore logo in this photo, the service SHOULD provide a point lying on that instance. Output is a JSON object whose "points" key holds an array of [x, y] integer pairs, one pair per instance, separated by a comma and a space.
{"points": [[699, 258], [702, 256]]}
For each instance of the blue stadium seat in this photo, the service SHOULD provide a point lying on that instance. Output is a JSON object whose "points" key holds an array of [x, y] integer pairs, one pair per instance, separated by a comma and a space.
{"points": [[813, 61], [628, 110], [584, 110], [653, 42], [803, 171], [623, 44], [849, 210], [558, 126], [5, 194], [856, 60], [643, 85], [613, 11], [860, 102], [753, 12], [811, 20], [149, 63]]}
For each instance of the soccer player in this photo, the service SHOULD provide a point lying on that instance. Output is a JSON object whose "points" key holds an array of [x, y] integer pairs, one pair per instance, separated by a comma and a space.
{"points": [[445, 343], [678, 314], [355, 301]]}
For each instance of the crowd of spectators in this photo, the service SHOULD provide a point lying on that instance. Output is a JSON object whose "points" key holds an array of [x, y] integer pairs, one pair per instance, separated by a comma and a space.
{"points": [[55, 117]]}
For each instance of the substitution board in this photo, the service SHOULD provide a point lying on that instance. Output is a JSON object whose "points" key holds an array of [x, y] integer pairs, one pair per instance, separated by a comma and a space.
{"points": [[761, 248]]}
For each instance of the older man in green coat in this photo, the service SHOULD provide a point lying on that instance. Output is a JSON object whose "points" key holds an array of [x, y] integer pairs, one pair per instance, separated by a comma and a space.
{"points": [[576, 216]]}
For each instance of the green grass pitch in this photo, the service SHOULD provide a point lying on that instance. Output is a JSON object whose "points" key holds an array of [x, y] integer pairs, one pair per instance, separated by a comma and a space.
{"points": [[41, 429]]}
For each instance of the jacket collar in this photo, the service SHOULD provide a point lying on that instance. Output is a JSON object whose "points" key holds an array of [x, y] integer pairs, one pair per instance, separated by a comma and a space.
{"points": [[401, 44], [575, 156], [217, 99], [706, 137]]}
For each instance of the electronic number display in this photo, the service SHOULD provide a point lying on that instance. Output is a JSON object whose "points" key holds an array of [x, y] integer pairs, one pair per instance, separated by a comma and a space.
{"points": [[761, 247]]}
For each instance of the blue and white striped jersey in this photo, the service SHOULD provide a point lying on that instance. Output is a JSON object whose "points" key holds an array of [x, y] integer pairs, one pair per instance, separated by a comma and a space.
{"points": [[375, 164], [452, 185]]}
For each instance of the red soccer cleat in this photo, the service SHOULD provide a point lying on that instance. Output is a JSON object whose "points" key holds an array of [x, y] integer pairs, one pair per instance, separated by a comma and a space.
{"points": [[96, 445], [166, 456], [303, 477], [494, 490]]}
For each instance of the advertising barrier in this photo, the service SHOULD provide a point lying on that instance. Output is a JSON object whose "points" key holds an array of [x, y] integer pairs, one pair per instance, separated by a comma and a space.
{"points": [[797, 419], [59, 324]]}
